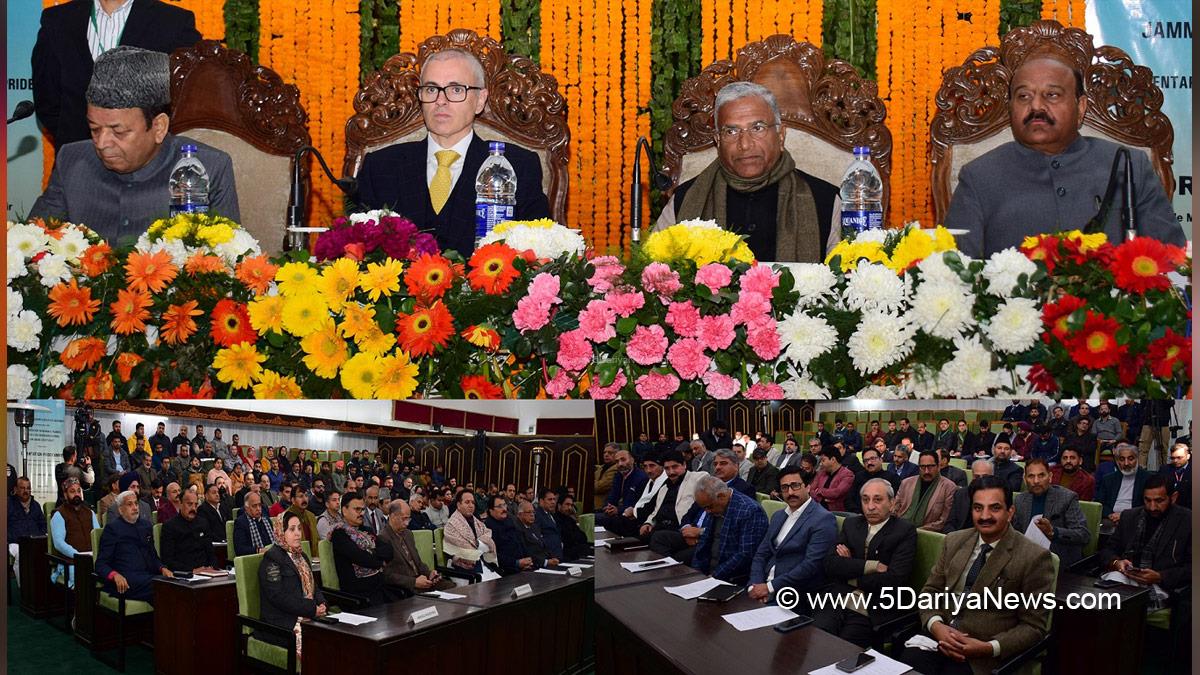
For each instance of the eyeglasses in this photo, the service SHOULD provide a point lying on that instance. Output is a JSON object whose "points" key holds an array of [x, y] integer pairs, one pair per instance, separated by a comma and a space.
{"points": [[455, 93], [791, 487], [755, 131]]}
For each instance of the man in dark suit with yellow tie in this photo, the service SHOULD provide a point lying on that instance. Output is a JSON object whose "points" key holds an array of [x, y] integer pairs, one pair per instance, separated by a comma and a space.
{"points": [[432, 181]]}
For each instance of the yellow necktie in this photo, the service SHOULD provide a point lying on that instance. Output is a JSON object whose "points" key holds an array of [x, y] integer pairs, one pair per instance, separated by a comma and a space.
{"points": [[439, 187]]}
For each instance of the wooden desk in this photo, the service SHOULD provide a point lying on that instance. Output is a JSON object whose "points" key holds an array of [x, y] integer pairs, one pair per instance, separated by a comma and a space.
{"points": [[643, 629], [1087, 639], [610, 575], [39, 599], [194, 627]]}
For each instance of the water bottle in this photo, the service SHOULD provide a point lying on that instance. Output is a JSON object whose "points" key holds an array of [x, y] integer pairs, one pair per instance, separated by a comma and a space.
{"points": [[189, 183], [862, 195], [495, 191]]}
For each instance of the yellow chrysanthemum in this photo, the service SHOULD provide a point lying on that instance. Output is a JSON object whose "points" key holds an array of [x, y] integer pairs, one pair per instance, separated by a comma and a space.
{"points": [[325, 351], [544, 223], [357, 320], [360, 375], [266, 314], [338, 282], [302, 314], [376, 342], [853, 251], [177, 229], [943, 240], [239, 365], [701, 242], [297, 279], [397, 377], [215, 234], [381, 279], [913, 247], [1088, 242], [156, 228], [274, 385]]}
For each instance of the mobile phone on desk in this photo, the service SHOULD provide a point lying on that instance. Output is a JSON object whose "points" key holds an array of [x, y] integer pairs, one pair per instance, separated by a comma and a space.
{"points": [[792, 624], [1106, 583], [326, 619], [857, 662]]}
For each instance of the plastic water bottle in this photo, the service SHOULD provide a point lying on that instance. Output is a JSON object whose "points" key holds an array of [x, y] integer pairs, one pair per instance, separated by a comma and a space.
{"points": [[862, 195], [189, 183], [495, 191]]}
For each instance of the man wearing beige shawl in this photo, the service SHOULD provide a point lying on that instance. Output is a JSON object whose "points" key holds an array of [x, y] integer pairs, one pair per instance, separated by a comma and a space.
{"points": [[467, 541]]}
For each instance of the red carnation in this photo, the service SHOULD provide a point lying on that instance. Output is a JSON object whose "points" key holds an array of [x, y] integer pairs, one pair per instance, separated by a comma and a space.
{"points": [[1041, 380], [1095, 345]]}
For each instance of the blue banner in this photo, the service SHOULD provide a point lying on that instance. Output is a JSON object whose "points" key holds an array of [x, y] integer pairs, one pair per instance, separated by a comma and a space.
{"points": [[1158, 34], [24, 151]]}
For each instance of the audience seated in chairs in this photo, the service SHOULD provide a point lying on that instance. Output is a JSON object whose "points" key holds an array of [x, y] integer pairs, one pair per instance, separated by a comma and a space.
{"points": [[332, 514], [833, 483], [512, 556], [25, 518], [187, 541], [728, 543], [308, 521], [360, 555], [872, 460], [532, 536], [725, 465], [213, 513], [547, 507], [1153, 543], [288, 592], [1122, 489], [466, 540], [71, 525], [129, 481], [1070, 474], [252, 531], [126, 561], [1180, 472], [406, 571], [925, 500], [792, 553]]}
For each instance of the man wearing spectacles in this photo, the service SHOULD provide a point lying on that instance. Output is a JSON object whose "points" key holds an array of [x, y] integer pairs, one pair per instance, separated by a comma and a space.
{"points": [[754, 187], [792, 555], [453, 92]]}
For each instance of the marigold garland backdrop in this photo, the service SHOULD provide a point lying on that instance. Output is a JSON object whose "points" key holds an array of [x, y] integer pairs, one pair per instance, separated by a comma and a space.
{"points": [[619, 65]]}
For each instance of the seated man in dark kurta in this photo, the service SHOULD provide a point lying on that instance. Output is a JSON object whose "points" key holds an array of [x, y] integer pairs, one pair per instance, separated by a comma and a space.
{"points": [[432, 181], [754, 187]]}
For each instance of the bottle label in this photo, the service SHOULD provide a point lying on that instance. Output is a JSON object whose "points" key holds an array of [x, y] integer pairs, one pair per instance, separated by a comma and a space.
{"points": [[860, 221], [177, 209], [488, 216]]}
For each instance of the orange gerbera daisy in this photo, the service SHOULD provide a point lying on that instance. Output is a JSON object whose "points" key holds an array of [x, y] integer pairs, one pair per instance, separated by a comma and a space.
{"points": [[203, 264], [83, 353], [231, 324], [257, 273], [72, 305], [492, 269], [478, 386], [425, 329], [99, 387], [429, 276], [178, 324], [130, 311], [482, 336], [96, 259], [150, 271], [126, 362]]}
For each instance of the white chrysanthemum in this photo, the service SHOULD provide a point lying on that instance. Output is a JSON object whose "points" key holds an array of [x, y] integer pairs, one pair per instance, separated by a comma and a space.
{"points": [[16, 302], [701, 223], [242, 244], [934, 270], [28, 240], [1002, 270], [969, 374], [881, 340], [877, 392], [921, 383], [873, 287], [16, 265], [878, 234], [56, 375], [814, 281], [943, 309], [24, 329], [802, 387], [53, 270], [545, 242], [20, 382], [1016, 326], [805, 337], [374, 215], [71, 245]]}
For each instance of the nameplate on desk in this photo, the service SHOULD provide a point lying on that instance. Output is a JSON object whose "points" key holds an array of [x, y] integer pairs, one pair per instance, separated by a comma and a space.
{"points": [[522, 590], [422, 615], [575, 571]]}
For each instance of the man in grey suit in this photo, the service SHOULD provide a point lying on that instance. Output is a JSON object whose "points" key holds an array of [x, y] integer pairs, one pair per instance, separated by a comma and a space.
{"points": [[1059, 175], [702, 457], [792, 555], [1061, 518], [117, 183], [406, 570]]}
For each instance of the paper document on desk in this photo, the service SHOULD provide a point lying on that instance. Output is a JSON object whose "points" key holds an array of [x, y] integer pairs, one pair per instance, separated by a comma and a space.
{"points": [[579, 565], [1117, 576], [543, 570], [696, 588], [600, 529], [600, 543], [443, 595], [649, 564], [352, 619], [759, 618], [882, 665], [1032, 533]]}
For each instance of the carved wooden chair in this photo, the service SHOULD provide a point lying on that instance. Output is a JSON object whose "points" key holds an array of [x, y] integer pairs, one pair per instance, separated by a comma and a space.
{"points": [[219, 97], [1124, 104], [826, 106], [524, 107]]}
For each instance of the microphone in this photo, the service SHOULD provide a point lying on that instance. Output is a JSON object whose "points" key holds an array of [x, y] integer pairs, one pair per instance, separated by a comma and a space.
{"points": [[1128, 200], [661, 181], [295, 221], [21, 111]]}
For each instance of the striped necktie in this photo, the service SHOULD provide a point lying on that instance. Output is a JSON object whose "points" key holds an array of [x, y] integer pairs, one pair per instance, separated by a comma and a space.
{"points": [[439, 187]]}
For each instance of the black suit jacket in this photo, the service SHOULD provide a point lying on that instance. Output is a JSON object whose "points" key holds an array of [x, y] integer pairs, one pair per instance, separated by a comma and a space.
{"points": [[895, 545], [282, 594], [1172, 557], [394, 177], [62, 62]]}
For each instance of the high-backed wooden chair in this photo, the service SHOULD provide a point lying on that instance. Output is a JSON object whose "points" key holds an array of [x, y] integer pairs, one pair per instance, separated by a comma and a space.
{"points": [[827, 108], [219, 97], [1124, 104], [524, 107]]}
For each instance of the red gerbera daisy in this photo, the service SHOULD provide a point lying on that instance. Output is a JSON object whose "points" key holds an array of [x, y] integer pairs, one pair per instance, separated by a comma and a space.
{"points": [[1056, 314], [492, 269], [1043, 247], [1142, 264], [425, 329], [429, 276], [231, 324], [1041, 380], [1168, 350], [478, 386], [1095, 346]]}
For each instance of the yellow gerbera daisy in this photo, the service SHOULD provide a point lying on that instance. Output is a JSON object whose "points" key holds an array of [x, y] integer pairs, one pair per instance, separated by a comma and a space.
{"points": [[338, 282], [381, 278], [266, 314], [274, 385], [377, 342], [397, 377], [1088, 242], [296, 278], [360, 375], [302, 314], [325, 351], [357, 320], [239, 365]]}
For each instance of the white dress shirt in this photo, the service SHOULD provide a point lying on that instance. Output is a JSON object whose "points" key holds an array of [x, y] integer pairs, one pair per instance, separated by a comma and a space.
{"points": [[431, 162], [792, 518], [104, 29], [960, 587]]}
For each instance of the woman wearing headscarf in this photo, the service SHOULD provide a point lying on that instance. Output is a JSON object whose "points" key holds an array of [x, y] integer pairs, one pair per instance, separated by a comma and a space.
{"points": [[288, 592], [466, 540]]}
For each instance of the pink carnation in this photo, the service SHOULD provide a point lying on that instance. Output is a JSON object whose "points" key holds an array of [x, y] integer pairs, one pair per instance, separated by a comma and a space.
{"points": [[721, 386], [716, 332], [574, 351], [688, 359], [760, 279], [608, 269], [661, 279], [763, 338], [531, 314], [684, 318], [598, 321], [764, 391], [545, 287], [647, 345], [655, 386], [560, 385], [611, 391], [751, 306], [714, 275], [625, 303]]}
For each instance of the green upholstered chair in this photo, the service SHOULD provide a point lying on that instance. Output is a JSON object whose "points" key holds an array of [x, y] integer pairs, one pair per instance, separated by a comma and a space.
{"points": [[929, 547], [236, 513], [116, 605], [958, 462], [331, 585], [439, 554], [157, 539], [424, 542], [587, 523], [840, 520], [229, 555], [771, 506], [255, 654], [1091, 513], [761, 497]]}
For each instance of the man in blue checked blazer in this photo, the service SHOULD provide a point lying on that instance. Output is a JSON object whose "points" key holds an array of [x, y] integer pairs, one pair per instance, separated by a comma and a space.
{"points": [[736, 524], [798, 538]]}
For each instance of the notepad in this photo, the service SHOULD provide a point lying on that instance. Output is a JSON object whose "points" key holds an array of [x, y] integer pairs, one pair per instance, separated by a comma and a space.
{"points": [[352, 619], [696, 588], [646, 565], [759, 618]]}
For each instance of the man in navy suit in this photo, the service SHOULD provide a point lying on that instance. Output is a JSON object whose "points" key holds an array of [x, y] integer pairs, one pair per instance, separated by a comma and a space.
{"points": [[412, 178], [544, 516], [127, 561], [792, 555]]}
